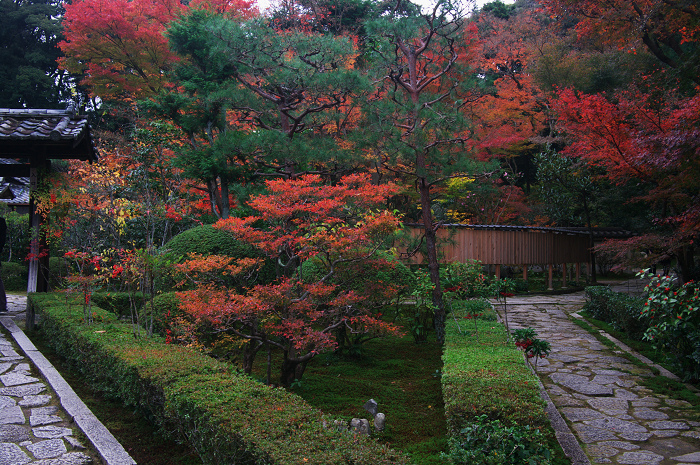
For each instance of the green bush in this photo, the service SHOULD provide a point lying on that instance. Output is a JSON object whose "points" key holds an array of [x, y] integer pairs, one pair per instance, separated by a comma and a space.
{"points": [[118, 303], [487, 442], [208, 240], [674, 315], [58, 272], [369, 277], [618, 309], [485, 376], [226, 416], [14, 276]]}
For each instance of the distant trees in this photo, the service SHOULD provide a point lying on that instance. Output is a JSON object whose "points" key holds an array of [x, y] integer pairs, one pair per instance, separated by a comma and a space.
{"points": [[29, 76]]}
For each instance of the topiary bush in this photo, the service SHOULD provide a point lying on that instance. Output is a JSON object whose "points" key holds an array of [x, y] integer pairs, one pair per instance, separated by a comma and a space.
{"points": [[14, 276], [208, 240]]}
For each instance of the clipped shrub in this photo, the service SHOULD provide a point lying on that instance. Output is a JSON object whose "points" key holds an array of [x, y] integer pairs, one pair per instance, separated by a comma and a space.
{"points": [[620, 310], [14, 276], [485, 377], [465, 279], [208, 240], [58, 272], [226, 416], [118, 303], [490, 442]]}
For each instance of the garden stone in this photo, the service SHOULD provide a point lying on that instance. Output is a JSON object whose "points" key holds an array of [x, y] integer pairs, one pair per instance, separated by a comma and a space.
{"points": [[11, 415], [39, 420], [51, 432], [48, 449], [668, 425], [34, 401], [640, 458], [690, 458], [619, 426], [608, 404], [620, 445], [589, 434], [14, 379], [371, 406], [11, 454], [666, 433], [360, 426], [6, 401], [580, 414], [648, 414], [691, 434], [14, 433], [21, 391], [581, 384], [70, 458], [4, 367], [379, 421], [636, 436], [598, 450]]}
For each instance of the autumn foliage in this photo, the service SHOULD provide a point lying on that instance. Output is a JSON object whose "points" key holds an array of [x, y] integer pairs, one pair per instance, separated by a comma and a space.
{"points": [[297, 220]]}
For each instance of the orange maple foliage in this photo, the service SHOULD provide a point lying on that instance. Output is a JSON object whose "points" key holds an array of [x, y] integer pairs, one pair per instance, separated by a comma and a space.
{"points": [[299, 220]]}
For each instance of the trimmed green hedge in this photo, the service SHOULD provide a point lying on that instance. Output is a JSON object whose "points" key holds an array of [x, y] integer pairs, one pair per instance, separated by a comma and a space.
{"points": [[620, 310], [485, 376], [226, 416], [208, 240], [14, 276]]}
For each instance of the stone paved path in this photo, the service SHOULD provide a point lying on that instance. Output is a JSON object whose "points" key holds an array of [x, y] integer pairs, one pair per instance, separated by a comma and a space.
{"points": [[34, 429], [597, 390]]}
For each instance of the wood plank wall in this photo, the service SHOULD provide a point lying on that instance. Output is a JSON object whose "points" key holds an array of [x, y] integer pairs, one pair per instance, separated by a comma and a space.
{"points": [[510, 247]]}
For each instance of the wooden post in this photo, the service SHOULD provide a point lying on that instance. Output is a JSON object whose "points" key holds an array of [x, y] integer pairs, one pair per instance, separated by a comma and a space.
{"points": [[551, 275], [498, 271], [525, 273], [563, 276], [34, 232], [578, 272]]}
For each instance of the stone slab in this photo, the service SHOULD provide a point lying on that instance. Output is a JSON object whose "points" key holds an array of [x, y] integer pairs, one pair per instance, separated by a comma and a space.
{"points": [[688, 458], [70, 458], [14, 433], [11, 454], [21, 391], [617, 425], [649, 414], [48, 449], [39, 420], [51, 432], [589, 434], [581, 384], [12, 415], [35, 401], [14, 379], [640, 458], [668, 425]]}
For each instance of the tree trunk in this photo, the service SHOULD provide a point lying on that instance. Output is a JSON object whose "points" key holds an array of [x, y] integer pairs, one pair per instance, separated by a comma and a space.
{"points": [[433, 264], [292, 369]]}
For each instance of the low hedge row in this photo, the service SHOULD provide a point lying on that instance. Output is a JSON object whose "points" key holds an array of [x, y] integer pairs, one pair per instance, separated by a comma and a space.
{"points": [[226, 416], [485, 377], [620, 310]]}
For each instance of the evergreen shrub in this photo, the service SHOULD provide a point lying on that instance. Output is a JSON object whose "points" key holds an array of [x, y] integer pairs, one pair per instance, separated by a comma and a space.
{"points": [[226, 416], [620, 310], [208, 240], [14, 276]]}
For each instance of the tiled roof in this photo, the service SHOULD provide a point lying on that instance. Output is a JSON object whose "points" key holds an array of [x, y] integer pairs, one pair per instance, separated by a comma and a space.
{"points": [[45, 133], [597, 232]]}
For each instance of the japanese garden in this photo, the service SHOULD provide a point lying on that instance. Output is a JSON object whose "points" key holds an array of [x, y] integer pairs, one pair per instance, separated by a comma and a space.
{"points": [[359, 231]]}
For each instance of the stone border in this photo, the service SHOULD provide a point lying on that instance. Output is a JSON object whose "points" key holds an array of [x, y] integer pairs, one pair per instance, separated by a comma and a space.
{"points": [[109, 449]]}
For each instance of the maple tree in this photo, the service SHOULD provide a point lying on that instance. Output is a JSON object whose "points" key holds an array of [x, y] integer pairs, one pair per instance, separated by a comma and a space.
{"points": [[668, 29], [297, 220], [119, 45]]}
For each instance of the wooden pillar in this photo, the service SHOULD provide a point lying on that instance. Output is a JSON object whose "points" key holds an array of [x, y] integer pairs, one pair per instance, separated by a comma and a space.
{"points": [[578, 272], [498, 271], [525, 273], [563, 276], [34, 231], [551, 275]]}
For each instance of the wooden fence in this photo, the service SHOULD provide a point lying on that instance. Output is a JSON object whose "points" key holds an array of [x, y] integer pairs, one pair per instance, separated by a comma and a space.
{"points": [[511, 245]]}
